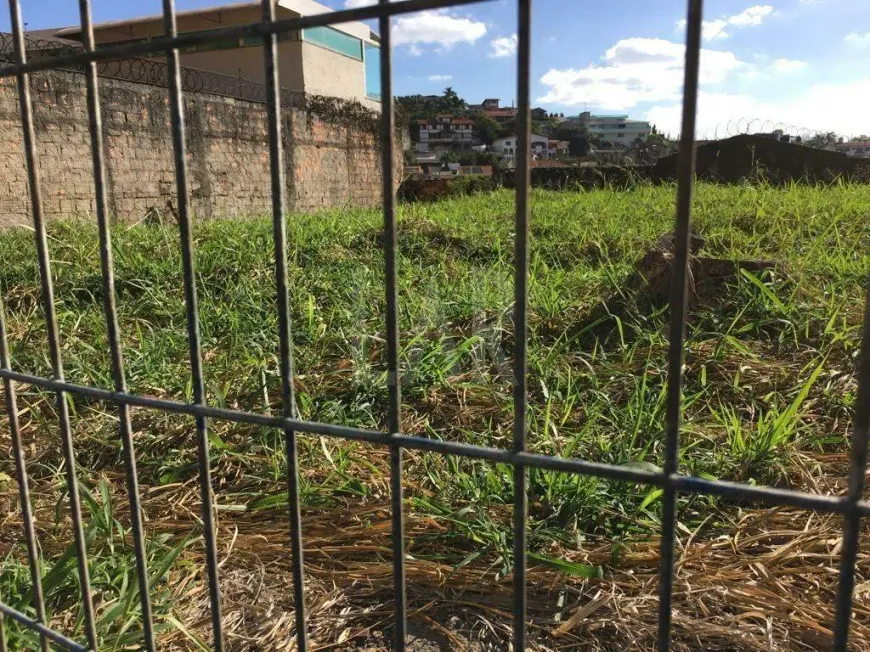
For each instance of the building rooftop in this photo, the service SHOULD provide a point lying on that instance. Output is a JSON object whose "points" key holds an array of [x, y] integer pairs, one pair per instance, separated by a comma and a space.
{"points": [[301, 7]]}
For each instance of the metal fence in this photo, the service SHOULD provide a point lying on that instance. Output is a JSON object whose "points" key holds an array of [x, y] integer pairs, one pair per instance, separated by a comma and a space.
{"points": [[851, 506]]}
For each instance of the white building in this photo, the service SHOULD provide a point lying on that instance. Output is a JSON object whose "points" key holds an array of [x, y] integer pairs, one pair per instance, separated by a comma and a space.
{"points": [[856, 148], [617, 129], [506, 148], [338, 61]]}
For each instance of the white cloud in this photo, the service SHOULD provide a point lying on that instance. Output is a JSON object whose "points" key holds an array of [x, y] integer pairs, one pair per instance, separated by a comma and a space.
{"points": [[716, 29], [751, 16], [820, 107], [440, 78], [788, 65], [635, 70], [504, 46], [437, 27], [858, 40]]}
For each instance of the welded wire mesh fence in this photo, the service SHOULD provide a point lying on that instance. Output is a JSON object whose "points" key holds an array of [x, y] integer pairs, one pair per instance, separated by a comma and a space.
{"points": [[851, 507]]}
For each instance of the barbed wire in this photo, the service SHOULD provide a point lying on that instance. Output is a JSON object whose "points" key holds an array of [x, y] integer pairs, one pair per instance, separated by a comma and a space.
{"points": [[759, 126], [153, 72]]}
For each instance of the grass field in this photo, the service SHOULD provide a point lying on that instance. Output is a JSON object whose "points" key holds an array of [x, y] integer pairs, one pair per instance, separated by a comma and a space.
{"points": [[769, 392]]}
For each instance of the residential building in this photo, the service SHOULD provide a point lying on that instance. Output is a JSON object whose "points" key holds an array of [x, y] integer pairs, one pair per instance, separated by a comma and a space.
{"points": [[856, 148], [491, 108], [544, 163], [444, 132], [540, 114], [557, 149], [502, 115], [617, 129], [340, 61], [506, 148], [475, 170]]}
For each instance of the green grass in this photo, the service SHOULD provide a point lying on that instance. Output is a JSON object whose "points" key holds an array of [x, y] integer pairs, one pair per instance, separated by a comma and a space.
{"points": [[770, 368]]}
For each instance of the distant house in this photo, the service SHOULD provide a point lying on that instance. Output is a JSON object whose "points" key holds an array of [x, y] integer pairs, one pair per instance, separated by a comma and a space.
{"points": [[341, 61], [540, 114], [502, 115], [557, 149], [444, 132], [856, 148], [548, 164], [491, 108], [506, 148], [475, 170], [616, 129]]}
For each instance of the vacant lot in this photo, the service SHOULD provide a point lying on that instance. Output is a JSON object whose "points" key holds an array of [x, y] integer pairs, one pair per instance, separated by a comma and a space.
{"points": [[770, 387]]}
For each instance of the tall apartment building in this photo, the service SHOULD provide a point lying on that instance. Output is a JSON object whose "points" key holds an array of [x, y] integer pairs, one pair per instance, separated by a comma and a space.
{"points": [[617, 129]]}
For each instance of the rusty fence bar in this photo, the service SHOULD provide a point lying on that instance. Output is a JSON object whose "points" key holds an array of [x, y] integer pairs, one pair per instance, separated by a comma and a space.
{"points": [[394, 408], [176, 110], [521, 309], [279, 227], [686, 178], [62, 406], [108, 279], [852, 506]]}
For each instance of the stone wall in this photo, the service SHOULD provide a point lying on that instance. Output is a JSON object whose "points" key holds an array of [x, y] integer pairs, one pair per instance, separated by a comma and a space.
{"points": [[327, 163]]}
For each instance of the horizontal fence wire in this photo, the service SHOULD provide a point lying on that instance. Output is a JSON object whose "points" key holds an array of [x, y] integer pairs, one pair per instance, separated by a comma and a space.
{"points": [[689, 484], [120, 61], [46, 632]]}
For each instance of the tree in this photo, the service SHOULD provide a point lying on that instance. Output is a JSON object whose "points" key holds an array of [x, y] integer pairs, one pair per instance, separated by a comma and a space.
{"points": [[485, 129], [579, 141], [448, 157], [451, 102], [478, 158], [822, 140]]}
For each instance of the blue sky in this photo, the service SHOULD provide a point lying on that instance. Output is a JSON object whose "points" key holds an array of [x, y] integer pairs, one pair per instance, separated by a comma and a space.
{"points": [[798, 62]]}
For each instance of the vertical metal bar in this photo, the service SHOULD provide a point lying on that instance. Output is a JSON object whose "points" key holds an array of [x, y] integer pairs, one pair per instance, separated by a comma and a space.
{"points": [[190, 300], [857, 471], [110, 309], [51, 322], [679, 274], [3, 635], [23, 485], [279, 227], [388, 130], [521, 308]]}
